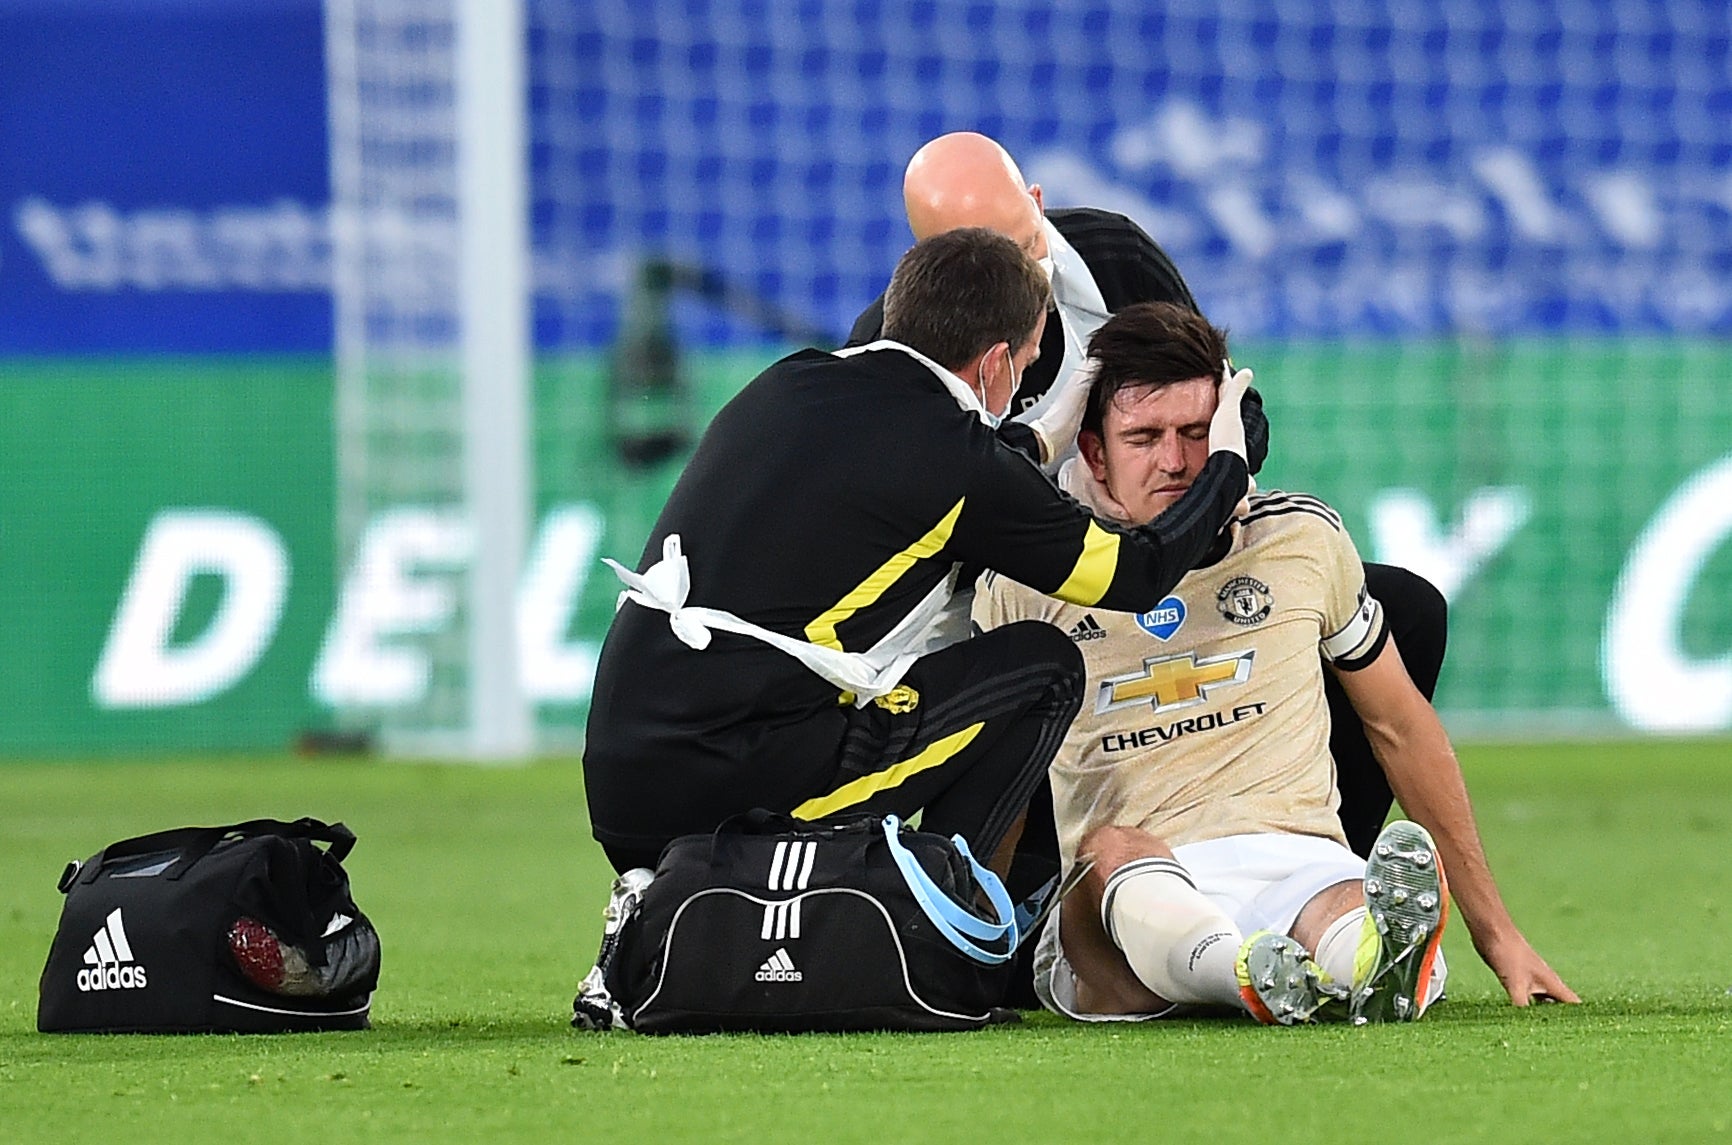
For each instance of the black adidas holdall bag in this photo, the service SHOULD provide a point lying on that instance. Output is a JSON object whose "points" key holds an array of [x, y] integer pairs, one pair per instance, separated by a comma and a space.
{"points": [[775, 925], [248, 928]]}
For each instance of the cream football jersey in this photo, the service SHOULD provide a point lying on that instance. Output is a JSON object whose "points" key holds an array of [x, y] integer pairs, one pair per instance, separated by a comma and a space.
{"points": [[1205, 716]]}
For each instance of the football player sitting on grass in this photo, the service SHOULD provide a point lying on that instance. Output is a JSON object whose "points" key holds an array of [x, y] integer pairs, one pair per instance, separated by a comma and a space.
{"points": [[1198, 779]]}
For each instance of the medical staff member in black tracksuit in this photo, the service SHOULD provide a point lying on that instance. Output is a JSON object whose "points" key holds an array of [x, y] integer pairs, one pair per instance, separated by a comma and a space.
{"points": [[833, 498], [1101, 262]]}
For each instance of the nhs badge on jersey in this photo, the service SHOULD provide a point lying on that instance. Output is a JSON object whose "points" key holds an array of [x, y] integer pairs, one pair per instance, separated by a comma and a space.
{"points": [[1164, 619]]}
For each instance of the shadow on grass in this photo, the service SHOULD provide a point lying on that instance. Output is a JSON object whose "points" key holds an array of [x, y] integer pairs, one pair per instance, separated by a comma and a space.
{"points": [[386, 1036], [552, 1032]]}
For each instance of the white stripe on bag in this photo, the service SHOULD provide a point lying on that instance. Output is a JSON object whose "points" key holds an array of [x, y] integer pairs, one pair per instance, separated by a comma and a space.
{"points": [[361, 1009], [791, 866], [776, 864], [117, 931], [781, 920]]}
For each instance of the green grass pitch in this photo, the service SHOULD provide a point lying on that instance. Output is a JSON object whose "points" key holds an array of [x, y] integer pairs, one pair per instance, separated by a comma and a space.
{"points": [[487, 892]]}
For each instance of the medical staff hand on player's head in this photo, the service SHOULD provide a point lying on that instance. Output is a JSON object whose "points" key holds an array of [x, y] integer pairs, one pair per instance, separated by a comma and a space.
{"points": [[1056, 419], [1227, 427]]}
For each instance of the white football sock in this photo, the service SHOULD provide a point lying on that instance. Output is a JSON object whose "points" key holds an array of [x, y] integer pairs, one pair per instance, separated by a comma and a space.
{"points": [[1339, 946], [1181, 945], [1338, 951]]}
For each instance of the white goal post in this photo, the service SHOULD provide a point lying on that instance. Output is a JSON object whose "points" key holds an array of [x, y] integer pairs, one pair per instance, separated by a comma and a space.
{"points": [[431, 294]]}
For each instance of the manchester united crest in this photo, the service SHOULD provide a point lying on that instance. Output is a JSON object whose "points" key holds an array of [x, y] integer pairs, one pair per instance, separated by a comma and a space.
{"points": [[1245, 601]]}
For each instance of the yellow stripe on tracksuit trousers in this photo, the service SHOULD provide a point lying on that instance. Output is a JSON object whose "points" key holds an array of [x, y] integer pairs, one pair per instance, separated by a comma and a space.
{"points": [[860, 790]]}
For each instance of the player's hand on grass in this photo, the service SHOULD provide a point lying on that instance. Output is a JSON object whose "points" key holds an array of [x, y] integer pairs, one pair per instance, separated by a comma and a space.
{"points": [[1524, 974]]}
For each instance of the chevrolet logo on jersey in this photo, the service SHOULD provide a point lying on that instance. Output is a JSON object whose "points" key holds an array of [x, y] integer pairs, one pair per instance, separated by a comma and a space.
{"points": [[1169, 682]]}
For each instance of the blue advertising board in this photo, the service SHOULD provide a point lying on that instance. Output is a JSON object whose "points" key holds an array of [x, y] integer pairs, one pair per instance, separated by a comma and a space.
{"points": [[163, 179]]}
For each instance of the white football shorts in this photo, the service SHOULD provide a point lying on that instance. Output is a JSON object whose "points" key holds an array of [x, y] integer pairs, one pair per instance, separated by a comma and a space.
{"points": [[1261, 882]]}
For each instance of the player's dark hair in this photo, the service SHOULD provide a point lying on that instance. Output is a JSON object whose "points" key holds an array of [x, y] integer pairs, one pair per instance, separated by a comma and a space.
{"points": [[957, 293], [1151, 344]]}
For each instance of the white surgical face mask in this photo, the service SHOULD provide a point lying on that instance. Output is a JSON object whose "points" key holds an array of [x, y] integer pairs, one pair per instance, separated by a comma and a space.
{"points": [[1045, 265], [996, 419]]}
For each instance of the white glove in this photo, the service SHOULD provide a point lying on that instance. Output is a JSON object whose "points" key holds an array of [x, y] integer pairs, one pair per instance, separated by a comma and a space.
{"points": [[1058, 415], [1227, 427]]}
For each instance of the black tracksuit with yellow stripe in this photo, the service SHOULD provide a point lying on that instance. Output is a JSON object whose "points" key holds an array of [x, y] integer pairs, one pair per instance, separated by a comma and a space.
{"points": [[824, 502]]}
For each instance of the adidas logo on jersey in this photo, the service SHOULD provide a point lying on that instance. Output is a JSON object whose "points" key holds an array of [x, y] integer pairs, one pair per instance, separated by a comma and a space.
{"points": [[1088, 628], [778, 968], [109, 961]]}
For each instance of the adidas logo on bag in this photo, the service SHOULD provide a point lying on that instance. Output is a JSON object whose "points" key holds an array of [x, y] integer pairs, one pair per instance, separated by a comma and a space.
{"points": [[778, 968], [109, 961], [1088, 628]]}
